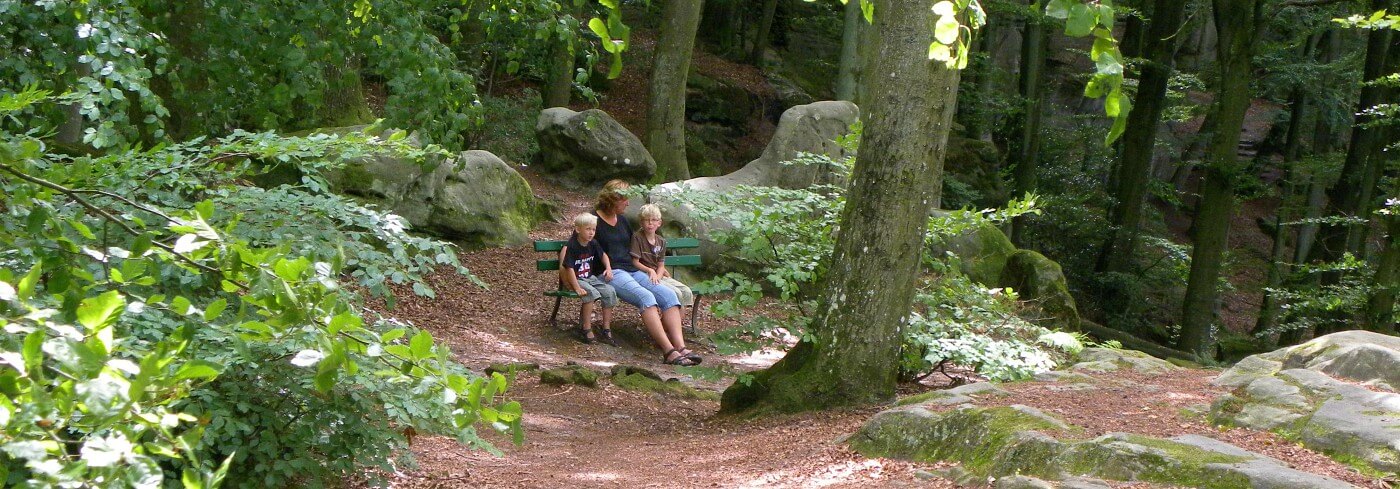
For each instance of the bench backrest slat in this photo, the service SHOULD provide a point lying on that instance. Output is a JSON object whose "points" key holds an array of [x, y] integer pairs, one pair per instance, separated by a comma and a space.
{"points": [[671, 243]]}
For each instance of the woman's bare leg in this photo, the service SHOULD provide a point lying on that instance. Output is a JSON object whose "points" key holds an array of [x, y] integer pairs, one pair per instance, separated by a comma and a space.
{"points": [[651, 320], [671, 321]]}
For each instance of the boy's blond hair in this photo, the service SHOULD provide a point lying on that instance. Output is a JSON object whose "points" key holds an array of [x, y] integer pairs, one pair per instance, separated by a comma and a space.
{"points": [[585, 221], [651, 211]]}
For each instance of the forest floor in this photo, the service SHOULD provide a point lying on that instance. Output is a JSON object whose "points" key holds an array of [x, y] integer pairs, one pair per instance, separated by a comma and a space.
{"points": [[608, 437]]}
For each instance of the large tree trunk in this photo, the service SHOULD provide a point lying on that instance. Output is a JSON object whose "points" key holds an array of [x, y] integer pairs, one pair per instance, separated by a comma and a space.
{"points": [[760, 42], [1323, 139], [1026, 148], [853, 354], [1140, 137], [850, 52], [559, 85], [665, 136], [1235, 22]]}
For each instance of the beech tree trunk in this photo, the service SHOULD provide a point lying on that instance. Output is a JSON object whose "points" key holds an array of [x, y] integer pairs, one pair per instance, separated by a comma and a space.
{"points": [[1380, 308], [1322, 144], [1278, 255], [1235, 22], [850, 52], [760, 43], [853, 355], [665, 135], [1031, 86], [1346, 196], [1140, 137]]}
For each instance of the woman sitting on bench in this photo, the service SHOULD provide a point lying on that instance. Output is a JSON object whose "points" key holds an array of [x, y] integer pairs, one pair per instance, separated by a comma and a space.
{"points": [[661, 312]]}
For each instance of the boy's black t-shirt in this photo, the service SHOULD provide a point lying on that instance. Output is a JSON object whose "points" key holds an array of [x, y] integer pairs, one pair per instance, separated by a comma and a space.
{"points": [[616, 242], [584, 259]]}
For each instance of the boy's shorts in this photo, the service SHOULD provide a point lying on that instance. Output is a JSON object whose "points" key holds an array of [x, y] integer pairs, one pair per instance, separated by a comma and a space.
{"points": [[683, 293], [598, 289]]}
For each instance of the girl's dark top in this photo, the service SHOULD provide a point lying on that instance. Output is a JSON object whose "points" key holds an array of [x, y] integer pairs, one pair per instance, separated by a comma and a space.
{"points": [[616, 241]]}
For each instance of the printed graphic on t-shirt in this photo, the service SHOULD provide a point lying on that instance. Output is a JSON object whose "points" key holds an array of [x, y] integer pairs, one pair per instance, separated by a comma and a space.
{"points": [[583, 267]]}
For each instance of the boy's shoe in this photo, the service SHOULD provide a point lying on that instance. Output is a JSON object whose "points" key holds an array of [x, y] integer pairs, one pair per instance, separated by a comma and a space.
{"points": [[606, 335]]}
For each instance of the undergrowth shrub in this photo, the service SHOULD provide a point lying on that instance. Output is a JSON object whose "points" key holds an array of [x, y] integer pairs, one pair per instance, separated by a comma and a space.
{"points": [[166, 324]]}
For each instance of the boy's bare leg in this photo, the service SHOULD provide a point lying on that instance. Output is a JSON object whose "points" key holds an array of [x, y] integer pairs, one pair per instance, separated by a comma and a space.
{"points": [[585, 322]]}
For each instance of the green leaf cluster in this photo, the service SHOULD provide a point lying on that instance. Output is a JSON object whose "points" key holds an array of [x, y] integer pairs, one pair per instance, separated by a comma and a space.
{"points": [[167, 323]]}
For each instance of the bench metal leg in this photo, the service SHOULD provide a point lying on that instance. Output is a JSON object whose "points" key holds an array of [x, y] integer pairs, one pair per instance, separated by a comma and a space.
{"points": [[554, 316], [694, 308]]}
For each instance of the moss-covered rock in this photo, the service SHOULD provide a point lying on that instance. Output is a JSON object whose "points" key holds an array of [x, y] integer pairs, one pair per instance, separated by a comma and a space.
{"points": [[643, 380], [1005, 441], [957, 395], [569, 374], [982, 252], [975, 164], [1039, 279], [510, 368], [591, 146], [1111, 359]]}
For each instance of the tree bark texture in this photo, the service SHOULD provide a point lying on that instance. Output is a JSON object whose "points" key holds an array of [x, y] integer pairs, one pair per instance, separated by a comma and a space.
{"points": [[1346, 196], [560, 84], [1235, 22], [665, 135], [1031, 87], [854, 354], [1322, 144], [850, 52], [1140, 137], [1380, 307], [760, 42]]}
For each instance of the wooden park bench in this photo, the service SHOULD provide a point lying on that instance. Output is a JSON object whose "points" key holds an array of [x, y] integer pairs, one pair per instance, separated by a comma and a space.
{"points": [[672, 260]]}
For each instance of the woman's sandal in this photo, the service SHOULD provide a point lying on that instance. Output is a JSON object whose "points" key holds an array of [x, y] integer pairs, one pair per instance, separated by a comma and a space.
{"points": [[686, 352], [586, 336], [605, 334], [680, 359]]}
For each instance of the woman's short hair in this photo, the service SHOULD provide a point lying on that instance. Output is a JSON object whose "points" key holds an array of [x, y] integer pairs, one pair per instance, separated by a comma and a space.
{"points": [[651, 211], [610, 195], [585, 221]]}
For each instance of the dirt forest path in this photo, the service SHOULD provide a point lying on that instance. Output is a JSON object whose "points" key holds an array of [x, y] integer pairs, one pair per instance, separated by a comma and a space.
{"points": [[609, 437]]}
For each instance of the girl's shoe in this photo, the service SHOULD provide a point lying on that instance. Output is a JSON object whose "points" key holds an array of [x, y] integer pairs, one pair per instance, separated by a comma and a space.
{"points": [[606, 335], [680, 359]]}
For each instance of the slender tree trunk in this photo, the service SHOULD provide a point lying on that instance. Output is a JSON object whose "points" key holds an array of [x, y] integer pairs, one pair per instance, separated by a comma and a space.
{"points": [[1380, 308], [1346, 195], [853, 354], [1140, 137], [850, 52], [1026, 148], [1134, 29], [560, 84], [665, 136], [1322, 144], [1278, 256], [1235, 21], [1375, 166], [760, 42]]}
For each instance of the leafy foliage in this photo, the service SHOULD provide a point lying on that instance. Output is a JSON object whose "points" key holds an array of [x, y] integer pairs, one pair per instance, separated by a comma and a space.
{"points": [[177, 323]]}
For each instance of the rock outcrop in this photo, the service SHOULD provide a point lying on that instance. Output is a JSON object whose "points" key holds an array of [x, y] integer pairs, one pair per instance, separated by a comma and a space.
{"points": [[591, 146], [1020, 441], [1335, 394], [474, 198]]}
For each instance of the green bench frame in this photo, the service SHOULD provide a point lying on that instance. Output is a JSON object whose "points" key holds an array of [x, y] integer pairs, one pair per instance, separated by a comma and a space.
{"points": [[672, 244]]}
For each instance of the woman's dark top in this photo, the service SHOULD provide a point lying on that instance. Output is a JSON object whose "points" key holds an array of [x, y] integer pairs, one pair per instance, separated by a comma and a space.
{"points": [[616, 242]]}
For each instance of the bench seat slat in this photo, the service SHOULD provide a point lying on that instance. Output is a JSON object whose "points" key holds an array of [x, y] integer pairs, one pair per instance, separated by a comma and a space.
{"points": [[562, 293]]}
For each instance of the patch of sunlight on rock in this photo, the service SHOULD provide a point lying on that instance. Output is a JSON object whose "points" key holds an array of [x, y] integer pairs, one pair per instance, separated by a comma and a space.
{"points": [[599, 363], [762, 358]]}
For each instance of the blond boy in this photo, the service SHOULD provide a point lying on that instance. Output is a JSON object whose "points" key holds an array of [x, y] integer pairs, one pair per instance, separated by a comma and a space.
{"points": [[584, 267], [649, 254]]}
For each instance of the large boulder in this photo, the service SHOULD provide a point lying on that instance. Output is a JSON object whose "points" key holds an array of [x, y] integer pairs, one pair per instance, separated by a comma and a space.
{"points": [[981, 250], [1334, 394], [1022, 441], [718, 101], [474, 199], [811, 128], [483, 201], [976, 164], [1040, 280], [591, 146]]}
